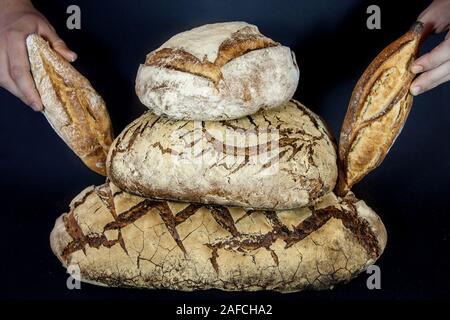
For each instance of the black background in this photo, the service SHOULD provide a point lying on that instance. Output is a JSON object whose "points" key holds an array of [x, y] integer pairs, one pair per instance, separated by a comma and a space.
{"points": [[39, 175]]}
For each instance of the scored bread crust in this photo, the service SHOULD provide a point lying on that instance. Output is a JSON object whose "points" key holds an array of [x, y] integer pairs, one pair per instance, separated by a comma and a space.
{"points": [[239, 40], [276, 159], [217, 72], [72, 107], [377, 110], [117, 239]]}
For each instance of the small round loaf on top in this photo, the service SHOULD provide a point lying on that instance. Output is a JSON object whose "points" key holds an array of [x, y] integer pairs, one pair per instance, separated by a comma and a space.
{"points": [[217, 72]]}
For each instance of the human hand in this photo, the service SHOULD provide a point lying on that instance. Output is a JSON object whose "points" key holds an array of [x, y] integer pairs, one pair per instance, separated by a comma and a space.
{"points": [[18, 19], [433, 67]]}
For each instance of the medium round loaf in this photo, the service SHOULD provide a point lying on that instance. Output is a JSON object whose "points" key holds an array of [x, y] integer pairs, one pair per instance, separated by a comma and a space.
{"points": [[276, 159], [117, 239], [216, 72]]}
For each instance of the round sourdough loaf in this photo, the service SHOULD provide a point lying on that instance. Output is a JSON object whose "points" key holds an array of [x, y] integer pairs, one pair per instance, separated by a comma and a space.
{"points": [[217, 72], [276, 159], [117, 239]]}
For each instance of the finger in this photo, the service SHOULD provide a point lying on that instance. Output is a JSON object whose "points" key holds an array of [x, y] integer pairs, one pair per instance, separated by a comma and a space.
{"points": [[48, 32], [428, 28], [431, 79], [435, 17], [428, 19], [438, 82], [443, 80], [19, 71], [432, 59]]}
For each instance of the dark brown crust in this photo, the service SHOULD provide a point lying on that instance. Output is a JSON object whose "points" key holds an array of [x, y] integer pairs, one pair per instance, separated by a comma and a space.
{"points": [[350, 129], [80, 240], [169, 220], [180, 60], [184, 214], [223, 217], [236, 241], [240, 43], [358, 226]]}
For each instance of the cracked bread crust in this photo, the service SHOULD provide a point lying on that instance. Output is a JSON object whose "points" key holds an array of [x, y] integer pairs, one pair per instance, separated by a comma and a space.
{"points": [[118, 239], [377, 110], [276, 159], [72, 107], [217, 72]]}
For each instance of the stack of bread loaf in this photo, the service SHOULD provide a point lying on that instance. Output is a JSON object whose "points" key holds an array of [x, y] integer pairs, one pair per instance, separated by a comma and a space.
{"points": [[225, 183]]}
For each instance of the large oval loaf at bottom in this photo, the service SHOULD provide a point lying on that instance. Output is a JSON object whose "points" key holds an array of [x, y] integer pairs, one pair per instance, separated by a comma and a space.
{"points": [[118, 239]]}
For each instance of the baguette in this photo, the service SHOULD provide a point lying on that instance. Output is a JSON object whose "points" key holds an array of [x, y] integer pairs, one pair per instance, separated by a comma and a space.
{"points": [[378, 109], [276, 159], [72, 107], [117, 239]]}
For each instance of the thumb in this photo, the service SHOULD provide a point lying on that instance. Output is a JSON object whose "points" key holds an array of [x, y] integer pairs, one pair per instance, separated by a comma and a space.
{"points": [[57, 43]]}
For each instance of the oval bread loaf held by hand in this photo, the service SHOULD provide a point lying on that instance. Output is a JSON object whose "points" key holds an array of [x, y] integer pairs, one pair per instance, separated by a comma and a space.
{"points": [[217, 72], [74, 109], [378, 109], [121, 240], [276, 159]]}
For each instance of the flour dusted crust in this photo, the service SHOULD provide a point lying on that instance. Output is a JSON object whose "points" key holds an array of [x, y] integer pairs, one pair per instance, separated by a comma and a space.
{"points": [[117, 239], [276, 159], [204, 42], [377, 110], [73, 108], [217, 72]]}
